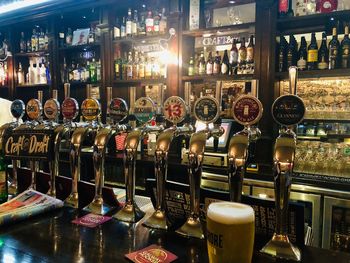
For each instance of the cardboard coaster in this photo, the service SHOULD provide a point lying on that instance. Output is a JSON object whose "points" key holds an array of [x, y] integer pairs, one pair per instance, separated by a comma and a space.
{"points": [[91, 220], [150, 254]]}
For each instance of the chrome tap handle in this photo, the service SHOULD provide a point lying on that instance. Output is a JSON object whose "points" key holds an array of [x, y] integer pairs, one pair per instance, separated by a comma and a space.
{"points": [[98, 161]]}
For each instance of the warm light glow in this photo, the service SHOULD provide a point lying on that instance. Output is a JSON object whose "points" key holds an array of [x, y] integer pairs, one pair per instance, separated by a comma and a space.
{"points": [[263, 196], [18, 5], [168, 58]]}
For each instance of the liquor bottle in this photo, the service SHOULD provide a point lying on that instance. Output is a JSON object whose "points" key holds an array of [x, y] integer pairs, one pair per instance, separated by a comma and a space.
{"points": [[191, 67], [333, 48], [148, 68], [283, 7], [117, 66], [129, 24], [129, 67], [149, 23], [225, 65], [195, 64], [20, 75], [282, 65], [201, 64], [217, 63], [29, 45], [242, 53], [345, 49], [42, 73], [156, 21], [136, 66], [69, 37], [302, 55], [135, 24], [123, 28], [93, 71], [34, 41], [312, 53], [3, 180], [22, 44], [116, 29], [141, 66], [61, 37], [41, 41], [46, 40], [163, 23], [77, 75], [233, 57], [292, 52], [31, 73], [323, 53], [250, 50], [209, 65], [290, 12]]}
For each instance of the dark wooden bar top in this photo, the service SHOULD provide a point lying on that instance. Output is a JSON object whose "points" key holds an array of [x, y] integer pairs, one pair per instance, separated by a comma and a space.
{"points": [[53, 238]]}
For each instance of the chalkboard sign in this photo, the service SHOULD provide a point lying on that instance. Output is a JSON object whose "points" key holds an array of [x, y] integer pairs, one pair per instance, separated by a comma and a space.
{"points": [[30, 144]]}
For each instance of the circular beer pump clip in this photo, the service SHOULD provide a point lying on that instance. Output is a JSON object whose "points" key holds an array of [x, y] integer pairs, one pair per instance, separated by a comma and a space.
{"points": [[18, 109], [247, 110], [118, 110], [90, 109], [206, 109], [175, 109], [144, 109], [70, 109], [52, 109], [288, 110], [34, 109]]}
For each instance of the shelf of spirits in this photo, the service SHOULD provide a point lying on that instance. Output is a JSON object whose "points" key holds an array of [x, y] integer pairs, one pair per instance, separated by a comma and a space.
{"points": [[32, 86], [239, 77]]}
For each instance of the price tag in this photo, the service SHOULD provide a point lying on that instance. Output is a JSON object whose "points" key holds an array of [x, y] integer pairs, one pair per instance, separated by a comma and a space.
{"points": [[18, 109], [70, 109], [90, 109], [144, 109], [206, 109], [175, 109], [118, 110], [247, 110], [34, 109], [288, 110], [52, 109]]}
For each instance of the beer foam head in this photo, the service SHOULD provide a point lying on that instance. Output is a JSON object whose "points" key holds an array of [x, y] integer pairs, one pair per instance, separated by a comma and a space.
{"points": [[230, 213]]}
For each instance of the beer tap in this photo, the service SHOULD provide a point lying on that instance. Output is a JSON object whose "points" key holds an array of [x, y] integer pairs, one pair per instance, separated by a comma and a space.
{"points": [[247, 111], [117, 111], [206, 109], [287, 111], [175, 111], [144, 111], [90, 110]]}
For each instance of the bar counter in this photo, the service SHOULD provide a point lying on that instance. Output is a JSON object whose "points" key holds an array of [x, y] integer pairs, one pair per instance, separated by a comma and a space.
{"points": [[53, 238]]}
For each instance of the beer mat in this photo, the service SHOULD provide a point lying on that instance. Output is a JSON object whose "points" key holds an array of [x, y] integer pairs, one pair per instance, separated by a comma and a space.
{"points": [[150, 254], [91, 220]]}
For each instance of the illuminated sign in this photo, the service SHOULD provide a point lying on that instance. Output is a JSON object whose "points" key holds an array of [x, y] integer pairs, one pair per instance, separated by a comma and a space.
{"points": [[19, 4]]}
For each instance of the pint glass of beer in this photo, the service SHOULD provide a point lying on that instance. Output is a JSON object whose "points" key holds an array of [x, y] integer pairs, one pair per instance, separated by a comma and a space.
{"points": [[230, 232]]}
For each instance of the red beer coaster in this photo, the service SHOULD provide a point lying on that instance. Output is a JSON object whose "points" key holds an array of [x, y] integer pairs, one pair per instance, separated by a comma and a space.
{"points": [[91, 220], [150, 254]]}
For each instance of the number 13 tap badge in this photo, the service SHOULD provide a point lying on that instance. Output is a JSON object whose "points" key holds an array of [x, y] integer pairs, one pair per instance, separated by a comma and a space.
{"points": [[247, 110], [175, 109]]}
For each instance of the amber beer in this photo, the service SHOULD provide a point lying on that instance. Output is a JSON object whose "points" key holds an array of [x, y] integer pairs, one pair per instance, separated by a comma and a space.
{"points": [[230, 232]]}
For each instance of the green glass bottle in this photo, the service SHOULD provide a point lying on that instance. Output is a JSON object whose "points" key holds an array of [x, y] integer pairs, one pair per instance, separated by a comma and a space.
{"points": [[3, 181]]}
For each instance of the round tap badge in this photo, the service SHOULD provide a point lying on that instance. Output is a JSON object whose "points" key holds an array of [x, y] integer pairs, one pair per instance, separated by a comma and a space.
{"points": [[174, 109], [18, 109], [52, 109], [70, 109], [90, 109], [144, 109], [288, 110], [247, 110], [206, 109], [118, 109], [34, 109]]}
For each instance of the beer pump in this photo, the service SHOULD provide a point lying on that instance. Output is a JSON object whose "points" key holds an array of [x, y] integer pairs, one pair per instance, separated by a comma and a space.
{"points": [[117, 111], [144, 111], [206, 110], [287, 111], [247, 111], [90, 110], [175, 111]]}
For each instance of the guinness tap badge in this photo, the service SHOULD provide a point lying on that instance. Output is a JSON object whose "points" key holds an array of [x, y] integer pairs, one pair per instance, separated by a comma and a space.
{"points": [[52, 109], [247, 110], [144, 109], [34, 109], [206, 109], [90, 109], [70, 109], [18, 109], [118, 110], [288, 110], [175, 109]]}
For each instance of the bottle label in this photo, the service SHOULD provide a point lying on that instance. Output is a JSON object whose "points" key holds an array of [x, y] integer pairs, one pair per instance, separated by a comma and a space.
{"points": [[345, 51], [216, 68], [323, 64], [61, 35], [301, 63], [134, 28], [312, 55], [116, 32], [250, 54], [201, 69], [156, 28], [209, 68], [224, 68], [129, 71], [142, 71], [128, 28], [76, 75], [233, 57], [283, 6], [190, 70], [242, 55], [149, 25], [122, 31], [333, 52]]}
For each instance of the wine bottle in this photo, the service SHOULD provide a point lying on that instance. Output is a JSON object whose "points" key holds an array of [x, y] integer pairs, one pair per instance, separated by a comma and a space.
{"points": [[129, 23], [312, 53], [123, 28], [217, 63], [290, 12], [250, 50], [225, 65], [242, 53], [302, 55], [201, 64], [345, 49], [233, 57], [191, 67], [209, 65], [292, 52], [323, 53], [333, 49], [282, 65]]}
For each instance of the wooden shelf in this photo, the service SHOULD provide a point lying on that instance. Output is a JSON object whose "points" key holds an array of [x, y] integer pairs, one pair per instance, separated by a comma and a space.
{"points": [[314, 74], [325, 120], [310, 138], [239, 77], [79, 83], [310, 23], [141, 81], [225, 3], [33, 86], [80, 47], [146, 39], [33, 54], [222, 30]]}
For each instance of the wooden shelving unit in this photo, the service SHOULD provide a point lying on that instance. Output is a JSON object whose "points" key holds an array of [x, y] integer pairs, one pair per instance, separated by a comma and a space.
{"points": [[141, 81], [239, 77], [314, 74]]}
